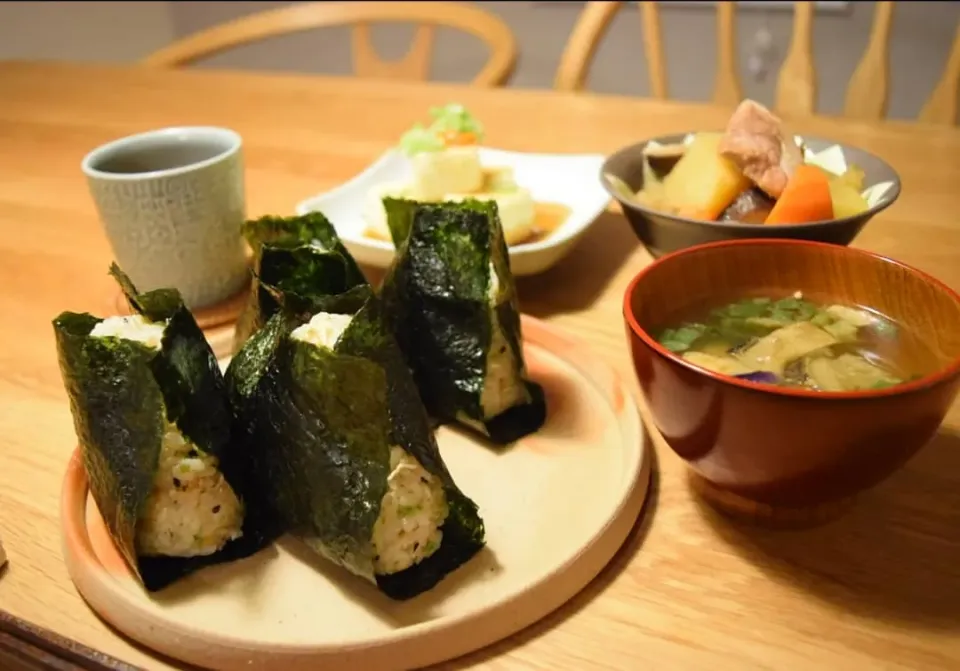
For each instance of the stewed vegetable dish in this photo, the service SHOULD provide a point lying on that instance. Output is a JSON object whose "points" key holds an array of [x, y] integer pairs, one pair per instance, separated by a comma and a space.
{"points": [[754, 172]]}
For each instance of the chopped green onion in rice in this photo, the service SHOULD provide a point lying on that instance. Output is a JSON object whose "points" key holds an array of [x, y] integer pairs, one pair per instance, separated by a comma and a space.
{"points": [[191, 510], [412, 513], [501, 388]]}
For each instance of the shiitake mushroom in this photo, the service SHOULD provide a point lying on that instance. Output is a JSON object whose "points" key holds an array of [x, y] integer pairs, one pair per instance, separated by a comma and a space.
{"points": [[750, 207]]}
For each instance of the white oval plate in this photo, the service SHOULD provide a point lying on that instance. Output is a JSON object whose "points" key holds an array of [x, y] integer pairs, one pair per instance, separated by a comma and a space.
{"points": [[572, 180], [556, 505]]}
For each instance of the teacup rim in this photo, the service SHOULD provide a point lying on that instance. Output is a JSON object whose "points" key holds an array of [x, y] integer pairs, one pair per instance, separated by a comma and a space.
{"points": [[235, 142]]}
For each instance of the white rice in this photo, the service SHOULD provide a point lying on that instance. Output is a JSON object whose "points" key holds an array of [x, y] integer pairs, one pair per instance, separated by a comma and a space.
{"points": [[324, 329], [502, 389], [191, 510], [411, 514], [493, 288], [132, 327]]}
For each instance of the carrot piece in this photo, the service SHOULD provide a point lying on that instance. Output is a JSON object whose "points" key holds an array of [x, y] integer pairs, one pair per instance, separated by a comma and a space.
{"points": [[805, 198], [454, 138]]}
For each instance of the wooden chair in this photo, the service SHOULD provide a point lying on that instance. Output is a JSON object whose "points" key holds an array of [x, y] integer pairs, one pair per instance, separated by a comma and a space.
{"points": [[307, 16], [796, 91], [941, 106]]}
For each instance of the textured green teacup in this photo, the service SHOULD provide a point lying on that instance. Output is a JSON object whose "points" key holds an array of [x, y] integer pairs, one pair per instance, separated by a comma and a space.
{"points": [[172, 204]]}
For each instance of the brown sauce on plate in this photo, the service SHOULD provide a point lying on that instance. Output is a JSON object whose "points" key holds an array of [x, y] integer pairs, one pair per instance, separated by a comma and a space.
{"points": [[374, 234], [547, 217]]}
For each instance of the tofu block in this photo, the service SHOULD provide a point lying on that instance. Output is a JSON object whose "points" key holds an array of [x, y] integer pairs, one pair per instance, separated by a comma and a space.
{"points": [[375, 215], [453, 170]]}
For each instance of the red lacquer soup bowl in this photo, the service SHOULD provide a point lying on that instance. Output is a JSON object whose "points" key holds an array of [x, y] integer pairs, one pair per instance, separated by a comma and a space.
{"points": [[776, 446]]}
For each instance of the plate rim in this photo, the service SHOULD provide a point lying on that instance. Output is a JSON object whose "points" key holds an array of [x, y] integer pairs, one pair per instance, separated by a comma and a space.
{"points": [[307, 204], [106, 596]]}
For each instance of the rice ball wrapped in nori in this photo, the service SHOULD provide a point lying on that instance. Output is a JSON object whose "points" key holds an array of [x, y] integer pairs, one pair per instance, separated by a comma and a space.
{"points": [[451, 302], [300, 256], [343, 450], [154, 425]]}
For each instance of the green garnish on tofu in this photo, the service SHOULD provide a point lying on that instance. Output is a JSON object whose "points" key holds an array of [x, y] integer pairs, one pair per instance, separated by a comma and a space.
{"points": [[454, 118], [419, 139], [448, 121]]}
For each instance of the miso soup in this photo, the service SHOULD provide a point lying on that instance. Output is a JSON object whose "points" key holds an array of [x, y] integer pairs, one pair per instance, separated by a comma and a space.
{"points": [[796, 343]]}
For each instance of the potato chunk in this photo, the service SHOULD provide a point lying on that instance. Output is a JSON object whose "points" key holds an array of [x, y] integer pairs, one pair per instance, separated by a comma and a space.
{"points": [[847, 201], [703, 183]]}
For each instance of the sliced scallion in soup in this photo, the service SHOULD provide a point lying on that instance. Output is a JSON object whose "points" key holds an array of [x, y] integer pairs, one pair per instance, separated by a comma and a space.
{"points": [[793, 342]]}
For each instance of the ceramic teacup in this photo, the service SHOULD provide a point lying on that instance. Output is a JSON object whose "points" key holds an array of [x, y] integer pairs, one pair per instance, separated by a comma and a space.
{"points": [[172, 203]]}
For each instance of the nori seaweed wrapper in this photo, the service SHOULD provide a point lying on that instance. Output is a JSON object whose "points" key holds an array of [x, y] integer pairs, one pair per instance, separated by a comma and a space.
{"points": [[301, 256], [437, 298], [119, 391], [318, 425]]}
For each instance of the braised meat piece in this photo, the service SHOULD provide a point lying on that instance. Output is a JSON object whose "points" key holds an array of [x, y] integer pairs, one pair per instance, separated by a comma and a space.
{"points": [[756, 142]]}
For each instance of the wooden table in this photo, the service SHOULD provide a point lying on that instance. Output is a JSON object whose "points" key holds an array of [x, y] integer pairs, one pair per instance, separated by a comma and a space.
{"points": [[878, 589]]}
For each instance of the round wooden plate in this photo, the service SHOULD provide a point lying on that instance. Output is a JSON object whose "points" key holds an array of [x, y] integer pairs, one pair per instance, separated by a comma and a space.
{"points": [[557, 506]]}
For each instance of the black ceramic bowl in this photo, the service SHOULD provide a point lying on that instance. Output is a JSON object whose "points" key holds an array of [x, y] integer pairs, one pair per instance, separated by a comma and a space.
{"points": [[662, 233]]}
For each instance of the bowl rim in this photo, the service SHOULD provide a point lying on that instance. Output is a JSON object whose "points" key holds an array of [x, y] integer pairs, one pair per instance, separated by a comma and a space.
{"points": [[938, 376], [736, 226]]}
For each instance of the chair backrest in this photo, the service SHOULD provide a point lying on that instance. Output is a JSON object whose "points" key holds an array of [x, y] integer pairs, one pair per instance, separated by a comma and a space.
{"points": [[941, 106], [796, 92], [415, 65], [594, 22]]}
